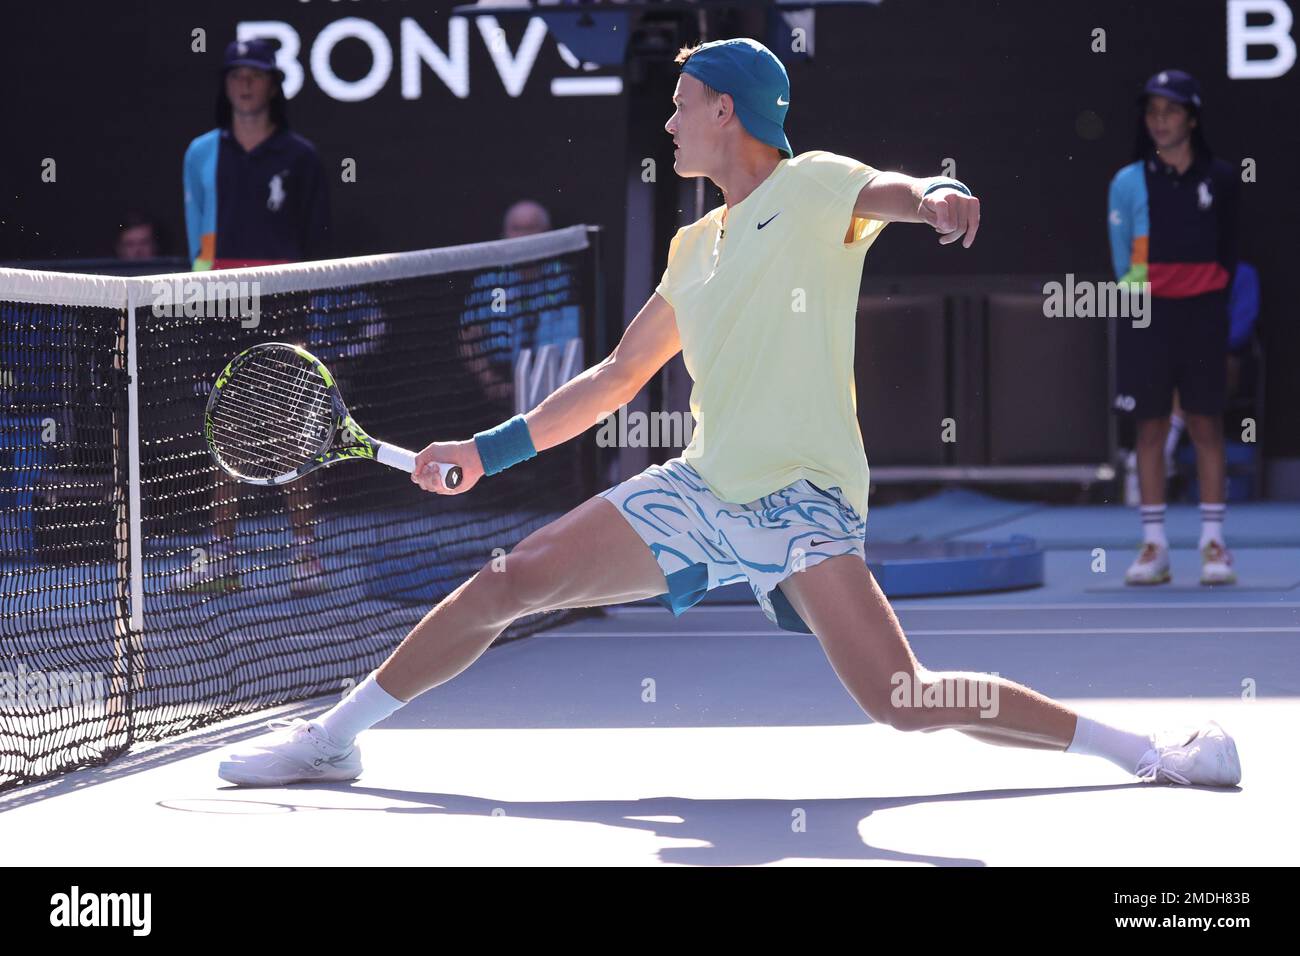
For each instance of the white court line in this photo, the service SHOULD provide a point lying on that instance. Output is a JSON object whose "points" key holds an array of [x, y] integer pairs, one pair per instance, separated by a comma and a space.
{"points": [[940, 632], [1183, 605]]}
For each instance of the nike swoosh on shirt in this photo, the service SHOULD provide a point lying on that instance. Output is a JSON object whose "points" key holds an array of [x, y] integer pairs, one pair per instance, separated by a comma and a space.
{"points": [[762, 224], [781, 102]]}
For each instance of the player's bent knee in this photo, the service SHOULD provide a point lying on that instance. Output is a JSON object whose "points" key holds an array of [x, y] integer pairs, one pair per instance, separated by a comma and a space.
{"points": [[908, 704], [912, 718], [525, 580], [880, 708]]}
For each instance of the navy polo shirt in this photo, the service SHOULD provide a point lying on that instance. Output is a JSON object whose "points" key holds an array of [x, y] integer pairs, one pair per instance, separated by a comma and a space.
{"points": [[1177, 229], [270, 204]]}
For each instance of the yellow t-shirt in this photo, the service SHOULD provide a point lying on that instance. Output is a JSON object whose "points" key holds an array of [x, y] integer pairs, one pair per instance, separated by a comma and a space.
{"points": [[766, 314]]}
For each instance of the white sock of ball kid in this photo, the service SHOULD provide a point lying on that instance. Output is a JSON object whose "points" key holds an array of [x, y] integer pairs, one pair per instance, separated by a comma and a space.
{"points": [[1153, 525], [1212, 522], [366, 705], [1121, 747]]}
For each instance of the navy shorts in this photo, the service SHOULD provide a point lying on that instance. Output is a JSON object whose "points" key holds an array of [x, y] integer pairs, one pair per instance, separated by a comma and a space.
{"points": [[1185, 347]]}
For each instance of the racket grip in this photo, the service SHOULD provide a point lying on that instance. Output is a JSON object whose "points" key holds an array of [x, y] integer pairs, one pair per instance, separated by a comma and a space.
{"points": [[395, 457]]}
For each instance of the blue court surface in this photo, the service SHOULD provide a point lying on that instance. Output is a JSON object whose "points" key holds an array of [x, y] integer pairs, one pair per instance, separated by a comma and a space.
{"points": [[551, 750]]}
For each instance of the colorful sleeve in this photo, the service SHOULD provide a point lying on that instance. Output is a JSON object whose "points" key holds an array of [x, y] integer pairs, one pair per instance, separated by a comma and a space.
{"points": [[1129, 224], [200, 175], [833, 183]]}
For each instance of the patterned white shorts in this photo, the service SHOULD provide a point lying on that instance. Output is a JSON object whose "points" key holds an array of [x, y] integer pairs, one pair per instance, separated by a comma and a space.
{"points": [[702, 542]]}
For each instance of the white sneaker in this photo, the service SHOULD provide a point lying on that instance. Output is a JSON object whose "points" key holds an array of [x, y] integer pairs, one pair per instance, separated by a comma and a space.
{"points": [[1151, 566], [300, 753], [1207, 756], [1216, 564]]}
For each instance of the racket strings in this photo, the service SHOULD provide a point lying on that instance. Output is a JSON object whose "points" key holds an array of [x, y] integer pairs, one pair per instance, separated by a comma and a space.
{"points": [[245, 432], [273, 415], [270, 406]]}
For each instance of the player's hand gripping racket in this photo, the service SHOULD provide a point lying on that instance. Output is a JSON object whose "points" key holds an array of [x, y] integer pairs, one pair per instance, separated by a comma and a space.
{"points": [[275, 414]]}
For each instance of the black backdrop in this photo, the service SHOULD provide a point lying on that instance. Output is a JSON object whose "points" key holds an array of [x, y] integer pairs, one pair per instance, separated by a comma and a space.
{"points": [[1036, 122], [113, 92]]}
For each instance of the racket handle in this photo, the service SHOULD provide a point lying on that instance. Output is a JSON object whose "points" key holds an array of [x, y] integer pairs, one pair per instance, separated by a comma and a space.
{"points": [[395, 457]]}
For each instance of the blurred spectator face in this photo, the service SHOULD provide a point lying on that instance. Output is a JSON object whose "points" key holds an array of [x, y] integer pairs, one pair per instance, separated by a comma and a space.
{"points": [[137, 242], [1169, 123], [249, 89], [525, 219]]}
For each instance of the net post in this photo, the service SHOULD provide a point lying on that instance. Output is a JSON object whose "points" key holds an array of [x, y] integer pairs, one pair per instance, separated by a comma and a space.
{"points": [[134, 517], [126, 675]]}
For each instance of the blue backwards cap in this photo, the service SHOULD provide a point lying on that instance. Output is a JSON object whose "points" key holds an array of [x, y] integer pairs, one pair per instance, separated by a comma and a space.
{"points": [[756, 80]]}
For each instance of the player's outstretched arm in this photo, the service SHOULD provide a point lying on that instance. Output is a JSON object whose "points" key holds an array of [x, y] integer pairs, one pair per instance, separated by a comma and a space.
{"points": [[578, 404], [583, 401], [945, 204]]}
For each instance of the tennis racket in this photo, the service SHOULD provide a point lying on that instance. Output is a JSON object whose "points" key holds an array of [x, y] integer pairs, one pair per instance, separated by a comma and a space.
{"points": [[276, 414]]}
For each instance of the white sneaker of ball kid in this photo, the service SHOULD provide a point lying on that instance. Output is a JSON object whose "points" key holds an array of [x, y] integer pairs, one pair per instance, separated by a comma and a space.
{"points": [[1151, 566], [1216, 564], [300, 752]]}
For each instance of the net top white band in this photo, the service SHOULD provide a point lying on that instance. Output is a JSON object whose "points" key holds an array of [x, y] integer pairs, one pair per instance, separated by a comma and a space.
{"points": [[66, 288]]}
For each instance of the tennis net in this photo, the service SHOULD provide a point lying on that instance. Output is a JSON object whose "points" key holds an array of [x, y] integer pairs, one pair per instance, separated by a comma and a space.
{"points": [[144, 595]]}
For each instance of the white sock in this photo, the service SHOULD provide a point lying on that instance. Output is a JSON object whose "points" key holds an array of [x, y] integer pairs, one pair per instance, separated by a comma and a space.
{"points": [[365, 706], [1121, 747], [1153, 525], [1212, 523]]}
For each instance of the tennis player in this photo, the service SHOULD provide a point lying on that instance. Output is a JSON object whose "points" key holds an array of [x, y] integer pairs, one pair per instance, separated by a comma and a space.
{"points": [[760, 297]]}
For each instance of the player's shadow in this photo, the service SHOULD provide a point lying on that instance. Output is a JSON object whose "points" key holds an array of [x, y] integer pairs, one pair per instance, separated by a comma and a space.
{"points": [[730, 832]]}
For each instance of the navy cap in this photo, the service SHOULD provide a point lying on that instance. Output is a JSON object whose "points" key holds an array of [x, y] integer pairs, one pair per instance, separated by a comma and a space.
{"points": [[756, 80], [259, 54], [1174, 85]]}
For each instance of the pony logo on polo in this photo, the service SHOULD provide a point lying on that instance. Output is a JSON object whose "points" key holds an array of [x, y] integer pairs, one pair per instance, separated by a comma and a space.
{"points": [[276, 198], [1204, 198]]}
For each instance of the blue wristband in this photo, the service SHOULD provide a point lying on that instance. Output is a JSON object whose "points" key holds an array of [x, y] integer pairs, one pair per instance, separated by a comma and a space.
{"points": [[507, 444], [945, 184]]}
